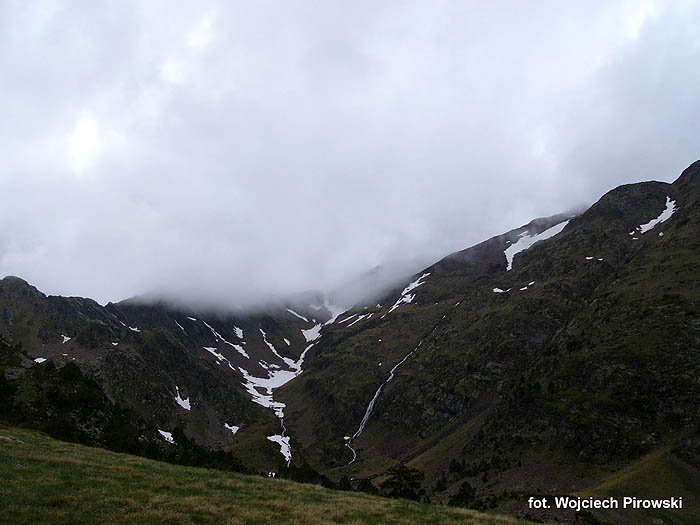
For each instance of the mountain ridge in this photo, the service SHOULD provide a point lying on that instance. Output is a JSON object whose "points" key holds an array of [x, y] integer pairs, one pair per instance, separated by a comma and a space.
{"points": [[516, 365]]}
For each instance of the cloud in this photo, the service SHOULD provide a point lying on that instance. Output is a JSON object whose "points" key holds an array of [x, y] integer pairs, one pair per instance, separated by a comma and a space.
{"points": [[83, 143], [229, 152]]}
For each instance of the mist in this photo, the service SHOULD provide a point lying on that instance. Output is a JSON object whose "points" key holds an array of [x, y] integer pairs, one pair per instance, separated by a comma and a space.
{"points": [[231, 153]]}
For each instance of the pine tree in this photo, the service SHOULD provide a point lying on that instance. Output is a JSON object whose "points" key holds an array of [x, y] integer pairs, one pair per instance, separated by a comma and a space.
{"points": [[403, 482], [465, 496], [344, 483]]}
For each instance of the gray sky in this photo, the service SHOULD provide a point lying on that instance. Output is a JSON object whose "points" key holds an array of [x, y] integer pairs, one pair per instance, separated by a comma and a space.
{"points": [[238, 150]]}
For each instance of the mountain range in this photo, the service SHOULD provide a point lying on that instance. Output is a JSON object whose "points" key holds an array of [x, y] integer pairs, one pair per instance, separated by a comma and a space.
{"points": [[546, 360]]}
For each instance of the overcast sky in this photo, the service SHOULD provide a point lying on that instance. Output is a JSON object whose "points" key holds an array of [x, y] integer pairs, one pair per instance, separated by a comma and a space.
{"points": [[237, 150]]}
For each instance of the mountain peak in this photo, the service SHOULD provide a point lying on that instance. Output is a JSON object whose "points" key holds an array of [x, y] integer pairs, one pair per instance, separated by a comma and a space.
{"points": [[13, 279], [13, 283], [689, 177]]}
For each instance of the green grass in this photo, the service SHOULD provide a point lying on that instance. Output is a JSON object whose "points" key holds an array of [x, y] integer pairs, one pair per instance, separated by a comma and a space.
{"points": [[657, 475], [49, 481]]}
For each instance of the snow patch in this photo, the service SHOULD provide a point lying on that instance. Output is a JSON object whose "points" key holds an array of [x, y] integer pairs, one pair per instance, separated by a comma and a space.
{"points": [[219, 337], [283, 442], [312, 333], [180, 326], [134, 329], [39, 359], [297, 315], [239, 349], [232, 428], [365, 316], [167, 436], [526, 241], [192, 319], [214, 351], [184, 403], [347, 319], [219, 357], [261, 388], [527, 286], [406, 296], [256, 385], [115, 344], [65, 339], [288, 361], [669, 210], [238, 332], [287, 341]]}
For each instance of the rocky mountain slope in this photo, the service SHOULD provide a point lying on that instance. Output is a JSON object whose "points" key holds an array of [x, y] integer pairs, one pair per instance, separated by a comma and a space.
{"points": [[525, 363], [211, 374], [540, 360]]}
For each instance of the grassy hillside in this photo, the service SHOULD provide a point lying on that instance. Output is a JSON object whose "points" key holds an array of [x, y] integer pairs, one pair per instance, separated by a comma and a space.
{"points": [[45, 480], [657, 475]]}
